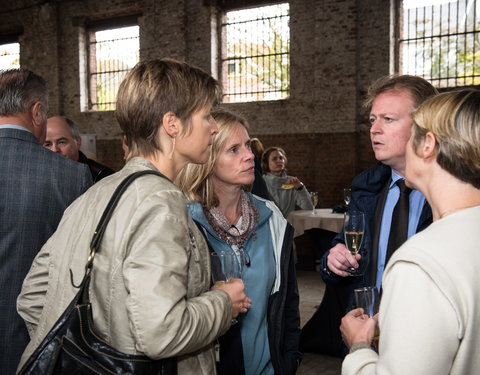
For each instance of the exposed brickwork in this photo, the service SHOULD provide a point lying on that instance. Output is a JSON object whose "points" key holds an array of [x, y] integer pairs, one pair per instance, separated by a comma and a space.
{"points": [[338, 47]]}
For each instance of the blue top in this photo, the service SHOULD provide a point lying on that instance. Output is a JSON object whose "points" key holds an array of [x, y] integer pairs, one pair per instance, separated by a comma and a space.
{"points": [[416, 202], [258, 278]]}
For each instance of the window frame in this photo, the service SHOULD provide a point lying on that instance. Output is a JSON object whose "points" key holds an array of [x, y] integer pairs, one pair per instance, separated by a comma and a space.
{"points": [[11, 39], [442, 82], [90, 28], [223, 7]]}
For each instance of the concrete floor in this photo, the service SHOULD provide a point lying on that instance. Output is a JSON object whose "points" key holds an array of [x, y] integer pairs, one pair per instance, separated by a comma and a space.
{"points": [[311, 289]]}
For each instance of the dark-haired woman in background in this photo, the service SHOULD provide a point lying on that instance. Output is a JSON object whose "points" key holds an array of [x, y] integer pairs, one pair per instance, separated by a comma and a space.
{"points": [[286, 191]]}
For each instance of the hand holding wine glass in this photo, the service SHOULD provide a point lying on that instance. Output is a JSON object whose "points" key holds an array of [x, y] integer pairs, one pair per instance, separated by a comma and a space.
{"points": [[354, 228], [368, 299], [227, 268], [226, 265], [340, 260]]}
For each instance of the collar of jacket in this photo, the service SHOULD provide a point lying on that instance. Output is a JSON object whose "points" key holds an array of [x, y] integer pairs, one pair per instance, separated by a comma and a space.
{"points": [[196, 210]]}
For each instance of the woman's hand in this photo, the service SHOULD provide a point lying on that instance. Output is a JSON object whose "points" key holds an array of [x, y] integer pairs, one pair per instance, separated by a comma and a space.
{"points": [[236, 290], [358, 327], [297, 184]]}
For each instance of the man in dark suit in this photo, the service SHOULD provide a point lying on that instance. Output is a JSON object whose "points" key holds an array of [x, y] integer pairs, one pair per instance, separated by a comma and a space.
{"points": [[375, 192], [36, 187], [63, 137]]}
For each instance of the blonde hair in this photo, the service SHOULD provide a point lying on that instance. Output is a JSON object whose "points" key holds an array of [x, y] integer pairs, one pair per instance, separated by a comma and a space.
{"points": [[257, 147], [454, 119], [153, 88], [419, 88], [195, 179]]}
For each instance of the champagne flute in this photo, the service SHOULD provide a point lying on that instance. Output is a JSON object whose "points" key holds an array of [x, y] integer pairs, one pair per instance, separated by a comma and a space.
{"points": [[314, 198], [347, 196], [354, 228]]}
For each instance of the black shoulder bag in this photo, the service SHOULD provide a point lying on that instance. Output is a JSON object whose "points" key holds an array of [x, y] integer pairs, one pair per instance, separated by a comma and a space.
{"points": [[72, 347]]}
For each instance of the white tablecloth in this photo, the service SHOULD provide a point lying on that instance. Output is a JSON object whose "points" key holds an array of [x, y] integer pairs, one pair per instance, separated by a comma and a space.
{"points": [[323, 218]]}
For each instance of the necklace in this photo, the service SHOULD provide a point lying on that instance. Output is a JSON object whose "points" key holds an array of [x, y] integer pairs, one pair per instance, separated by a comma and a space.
{"points": [[448, 212]]}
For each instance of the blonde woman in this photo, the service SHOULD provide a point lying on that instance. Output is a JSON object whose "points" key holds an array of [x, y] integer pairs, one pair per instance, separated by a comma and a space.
{"points": [[150, 286], [430, 309], [237, 221]]}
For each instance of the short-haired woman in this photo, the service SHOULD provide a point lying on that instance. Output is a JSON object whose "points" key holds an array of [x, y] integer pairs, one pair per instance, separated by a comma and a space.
{"points": [[430, 309], [150, 286]]}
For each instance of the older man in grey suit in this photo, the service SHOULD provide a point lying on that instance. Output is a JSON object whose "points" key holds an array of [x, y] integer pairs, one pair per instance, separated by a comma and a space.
{"points": [[36, 186]]}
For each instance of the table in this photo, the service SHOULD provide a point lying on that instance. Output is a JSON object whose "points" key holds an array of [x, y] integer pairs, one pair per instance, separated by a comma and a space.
{"points": [[323, 218]]}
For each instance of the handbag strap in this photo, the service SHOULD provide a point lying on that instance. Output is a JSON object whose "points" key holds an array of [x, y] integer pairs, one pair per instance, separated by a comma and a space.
{"points": [[107, 214]]}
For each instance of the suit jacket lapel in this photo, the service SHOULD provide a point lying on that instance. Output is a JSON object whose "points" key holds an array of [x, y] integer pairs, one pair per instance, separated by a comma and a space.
{"points": [[377, 221]]}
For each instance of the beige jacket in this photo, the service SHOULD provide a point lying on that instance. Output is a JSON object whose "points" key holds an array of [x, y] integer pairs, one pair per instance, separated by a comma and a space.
{"points": [[150, 283], [430, 309]]}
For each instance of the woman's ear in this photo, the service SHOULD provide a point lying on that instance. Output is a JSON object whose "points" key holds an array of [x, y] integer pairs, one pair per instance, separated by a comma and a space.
{"points": [[171, 124], [428, 147]]}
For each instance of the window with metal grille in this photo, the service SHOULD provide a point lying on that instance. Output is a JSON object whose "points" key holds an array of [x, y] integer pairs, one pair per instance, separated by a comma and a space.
{"points": [[9, 52], [440, 41], [112, 53], [255, 50]]}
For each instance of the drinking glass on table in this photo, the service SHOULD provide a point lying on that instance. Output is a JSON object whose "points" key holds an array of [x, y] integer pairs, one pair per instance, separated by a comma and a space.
{"points": [[354, 228], [347, 196], [369, 300], [314, 198], [227, 265]]}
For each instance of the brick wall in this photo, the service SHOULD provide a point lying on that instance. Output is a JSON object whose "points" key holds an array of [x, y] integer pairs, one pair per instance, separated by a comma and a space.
{"points": [[338, 47]]}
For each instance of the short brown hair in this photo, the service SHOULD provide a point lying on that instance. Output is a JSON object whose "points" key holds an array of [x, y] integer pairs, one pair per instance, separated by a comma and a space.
{"points": [[419, 88], [195, 179], [266, 156], [454, 119], [153, 88]]}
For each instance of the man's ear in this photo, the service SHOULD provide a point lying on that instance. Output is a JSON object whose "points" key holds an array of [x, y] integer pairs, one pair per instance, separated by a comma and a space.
{"points": [[171, 124], [79, 142], [38, 113]]}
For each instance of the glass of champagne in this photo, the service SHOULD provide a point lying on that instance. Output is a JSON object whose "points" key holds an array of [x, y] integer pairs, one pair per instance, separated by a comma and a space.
{"points": [[354, 228], [347, 196], [314, 198]]}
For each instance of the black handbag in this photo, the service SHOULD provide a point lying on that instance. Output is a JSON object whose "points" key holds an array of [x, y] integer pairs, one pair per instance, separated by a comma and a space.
{"points": [[72, 347]]}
